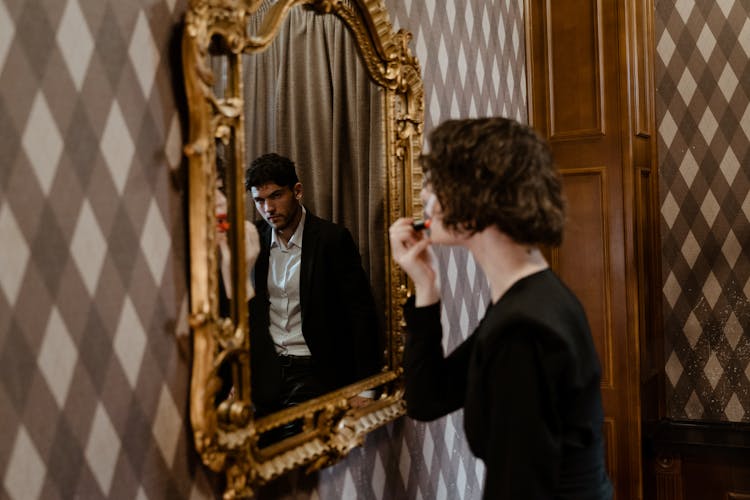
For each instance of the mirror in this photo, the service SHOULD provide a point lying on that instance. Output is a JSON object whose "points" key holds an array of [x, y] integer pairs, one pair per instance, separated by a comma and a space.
{"points": [[354, 137], [309, 97]]}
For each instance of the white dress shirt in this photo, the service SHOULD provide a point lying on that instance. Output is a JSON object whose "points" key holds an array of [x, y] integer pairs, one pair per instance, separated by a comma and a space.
{"points": [[285, 314]]}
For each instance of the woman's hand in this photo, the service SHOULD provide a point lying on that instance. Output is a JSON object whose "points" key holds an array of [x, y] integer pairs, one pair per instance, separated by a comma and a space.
{"points": [[411, 251]]}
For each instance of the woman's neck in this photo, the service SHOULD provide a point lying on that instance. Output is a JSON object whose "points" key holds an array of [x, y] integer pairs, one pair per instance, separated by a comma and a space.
{"points": [[503, 260]]}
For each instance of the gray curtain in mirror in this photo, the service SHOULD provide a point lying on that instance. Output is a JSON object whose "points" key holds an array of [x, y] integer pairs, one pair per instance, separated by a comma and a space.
{"points": [[310, 97]]}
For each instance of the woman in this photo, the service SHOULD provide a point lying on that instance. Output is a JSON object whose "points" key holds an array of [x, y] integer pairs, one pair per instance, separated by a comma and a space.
{"points": [[528, 376]]}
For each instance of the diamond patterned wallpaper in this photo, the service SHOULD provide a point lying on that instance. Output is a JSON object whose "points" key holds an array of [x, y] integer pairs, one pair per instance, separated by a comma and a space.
{"points": [[93, 369], [93, 381], [703, 99]]}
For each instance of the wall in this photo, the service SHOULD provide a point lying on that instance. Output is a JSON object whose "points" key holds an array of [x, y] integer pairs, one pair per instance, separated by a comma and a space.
{"points": [[703, 115], [93, 379], [93, 383]]}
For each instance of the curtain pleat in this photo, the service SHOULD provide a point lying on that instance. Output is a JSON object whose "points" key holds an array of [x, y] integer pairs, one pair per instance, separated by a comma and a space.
{"points": [[310, 97]]}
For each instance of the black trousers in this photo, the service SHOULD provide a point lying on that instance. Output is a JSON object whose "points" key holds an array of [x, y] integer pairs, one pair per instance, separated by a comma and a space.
{"points": [[298, 384], [298, 381]]}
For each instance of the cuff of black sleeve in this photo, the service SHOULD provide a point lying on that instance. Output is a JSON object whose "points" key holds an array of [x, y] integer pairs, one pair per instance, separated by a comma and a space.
{"points": [[425, 318]]}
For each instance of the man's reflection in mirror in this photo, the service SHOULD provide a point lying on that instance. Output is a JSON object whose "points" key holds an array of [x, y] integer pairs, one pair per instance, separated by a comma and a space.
{"points": [[313, 325]]}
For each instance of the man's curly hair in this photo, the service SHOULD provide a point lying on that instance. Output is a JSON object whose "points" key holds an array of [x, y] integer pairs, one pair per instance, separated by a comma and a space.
{"points": [[496, 171], [271, 167]]}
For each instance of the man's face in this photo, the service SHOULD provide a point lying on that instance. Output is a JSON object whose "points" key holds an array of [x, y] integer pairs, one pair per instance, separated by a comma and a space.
{"points": [[278, 205]]}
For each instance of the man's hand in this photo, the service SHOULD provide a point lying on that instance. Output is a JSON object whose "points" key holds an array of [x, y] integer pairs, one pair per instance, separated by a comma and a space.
{"points": [[359, 401]]}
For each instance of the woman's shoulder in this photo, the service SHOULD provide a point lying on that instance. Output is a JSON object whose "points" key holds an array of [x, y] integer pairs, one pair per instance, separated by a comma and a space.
{"points": [[538, 309], [538, 298], [559, 340]]}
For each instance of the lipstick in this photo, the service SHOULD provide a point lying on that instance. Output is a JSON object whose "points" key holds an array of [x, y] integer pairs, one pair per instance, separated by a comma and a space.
{"points": [[222, 222], [421, 225]]}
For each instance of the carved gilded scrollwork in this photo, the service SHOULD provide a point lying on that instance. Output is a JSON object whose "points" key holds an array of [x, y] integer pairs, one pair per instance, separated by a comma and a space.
{"points": [[226, 434]]}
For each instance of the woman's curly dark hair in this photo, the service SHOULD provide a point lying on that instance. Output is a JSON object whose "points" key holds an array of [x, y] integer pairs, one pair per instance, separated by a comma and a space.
{"points": [[496, 171]]}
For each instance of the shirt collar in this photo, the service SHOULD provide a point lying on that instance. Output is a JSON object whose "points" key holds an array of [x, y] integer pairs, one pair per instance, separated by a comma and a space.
{"points": [[296, 239]]}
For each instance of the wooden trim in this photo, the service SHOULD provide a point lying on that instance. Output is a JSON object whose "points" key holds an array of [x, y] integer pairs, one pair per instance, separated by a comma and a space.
{"points": [[668, 478], [676, 434]]}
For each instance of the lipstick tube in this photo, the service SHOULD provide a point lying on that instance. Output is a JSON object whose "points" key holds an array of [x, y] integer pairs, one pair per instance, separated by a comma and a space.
{"points": [[421, 225]]}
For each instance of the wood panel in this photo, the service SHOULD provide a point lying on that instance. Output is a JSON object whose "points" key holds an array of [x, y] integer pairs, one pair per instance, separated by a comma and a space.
{"points": [[589, 94], [641, 25], [702, 473], [668, 478], [689, 460], [610, 446], [582, 36], [572, 260], [651, 337], [715, 474]]}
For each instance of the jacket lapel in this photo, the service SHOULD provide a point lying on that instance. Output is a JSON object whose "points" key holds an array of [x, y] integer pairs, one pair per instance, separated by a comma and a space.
{"points": [[260, 278], [310, 240]]}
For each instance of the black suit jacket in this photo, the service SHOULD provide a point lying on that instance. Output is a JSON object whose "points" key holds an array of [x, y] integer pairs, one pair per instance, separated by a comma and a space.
{"points": [[528, 381], [339, 320]]}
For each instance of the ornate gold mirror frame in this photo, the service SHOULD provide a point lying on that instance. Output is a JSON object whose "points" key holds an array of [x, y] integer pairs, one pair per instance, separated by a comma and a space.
{"points": [[225, 431]]}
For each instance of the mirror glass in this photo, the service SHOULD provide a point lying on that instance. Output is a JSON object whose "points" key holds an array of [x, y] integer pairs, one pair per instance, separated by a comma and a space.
{"points": [[310, 98]]}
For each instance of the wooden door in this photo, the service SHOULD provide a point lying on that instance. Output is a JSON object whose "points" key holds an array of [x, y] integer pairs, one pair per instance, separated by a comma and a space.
{"points": [[590, 94]]}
